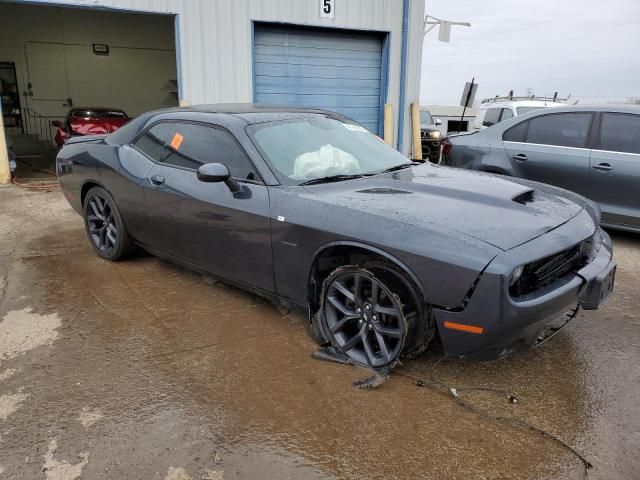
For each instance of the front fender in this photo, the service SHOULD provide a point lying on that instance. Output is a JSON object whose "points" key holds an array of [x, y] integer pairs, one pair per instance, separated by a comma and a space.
{"points": [[370, 248]]}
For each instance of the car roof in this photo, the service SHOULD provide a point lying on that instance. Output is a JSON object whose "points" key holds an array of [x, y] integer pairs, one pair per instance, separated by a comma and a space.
{"points": [[241, 108], [248, 113], [613, 108]]}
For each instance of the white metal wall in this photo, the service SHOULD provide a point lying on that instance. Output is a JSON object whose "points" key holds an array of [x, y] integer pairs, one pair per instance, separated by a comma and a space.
{"points": [[214, 40]]}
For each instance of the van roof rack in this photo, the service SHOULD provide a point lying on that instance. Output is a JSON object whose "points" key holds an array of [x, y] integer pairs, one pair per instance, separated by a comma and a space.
{"points": [[511, 97]]}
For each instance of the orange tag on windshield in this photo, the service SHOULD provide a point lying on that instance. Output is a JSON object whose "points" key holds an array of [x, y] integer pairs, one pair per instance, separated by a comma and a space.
{"points": [[176, 141]]}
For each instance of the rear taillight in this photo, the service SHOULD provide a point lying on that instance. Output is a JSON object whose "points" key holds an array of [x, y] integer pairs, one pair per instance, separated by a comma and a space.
{"points": [[446, 146]]}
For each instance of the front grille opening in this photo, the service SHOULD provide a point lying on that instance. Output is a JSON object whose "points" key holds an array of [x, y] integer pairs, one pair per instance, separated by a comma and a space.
{"points": [[544, 272]]}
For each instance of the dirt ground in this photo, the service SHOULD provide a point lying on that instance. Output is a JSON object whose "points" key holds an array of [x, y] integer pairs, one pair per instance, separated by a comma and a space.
{"points": [[141, 370]]}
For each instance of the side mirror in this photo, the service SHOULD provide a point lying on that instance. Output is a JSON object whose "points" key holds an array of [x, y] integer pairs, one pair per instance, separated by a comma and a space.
{"points": [[438, 121], [217, 172], [57, 124]]}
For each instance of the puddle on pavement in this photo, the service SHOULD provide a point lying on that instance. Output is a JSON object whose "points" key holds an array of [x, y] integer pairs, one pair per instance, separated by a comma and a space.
{"points": [[156, 368]]}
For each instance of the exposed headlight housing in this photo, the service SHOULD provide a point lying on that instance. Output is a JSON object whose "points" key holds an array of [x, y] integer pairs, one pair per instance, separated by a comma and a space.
{"points": [[515, 275], [434, 134]]}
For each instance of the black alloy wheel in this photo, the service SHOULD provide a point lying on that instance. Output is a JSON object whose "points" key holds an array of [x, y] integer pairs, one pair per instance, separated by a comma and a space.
{"points": [[364, 319], [104, 225], [101, 224]]}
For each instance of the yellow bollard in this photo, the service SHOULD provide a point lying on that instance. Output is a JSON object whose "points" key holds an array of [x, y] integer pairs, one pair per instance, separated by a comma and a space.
{"points": [[388, 123], [5, 173], [415, 131]]}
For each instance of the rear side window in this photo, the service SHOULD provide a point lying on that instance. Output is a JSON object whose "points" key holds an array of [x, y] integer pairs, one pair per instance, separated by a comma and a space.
{"points": [[153, 142], [620, 132], [516, 134], [190, 145], [506, 114], [562, 129], [491, 117]]}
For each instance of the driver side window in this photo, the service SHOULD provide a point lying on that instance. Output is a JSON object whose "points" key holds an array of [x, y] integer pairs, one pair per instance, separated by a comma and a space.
{"points": [[189, 145]]}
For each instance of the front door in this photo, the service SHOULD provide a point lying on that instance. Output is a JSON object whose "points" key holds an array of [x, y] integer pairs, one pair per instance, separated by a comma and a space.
{"points": [[205, 224], [614, 180], [554, 151]]}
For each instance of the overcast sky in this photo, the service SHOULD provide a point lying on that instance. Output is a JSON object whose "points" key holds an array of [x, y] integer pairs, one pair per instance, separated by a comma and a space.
{"points": [[587, 48]]}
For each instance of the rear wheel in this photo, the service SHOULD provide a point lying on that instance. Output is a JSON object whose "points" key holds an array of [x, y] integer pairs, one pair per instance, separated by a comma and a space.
{"points": [[103, 223], [373, 314]]}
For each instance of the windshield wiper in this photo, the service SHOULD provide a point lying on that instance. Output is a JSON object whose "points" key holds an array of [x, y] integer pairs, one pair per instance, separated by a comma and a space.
{"points": [[402, 166], [331, 178], [338, 178]]}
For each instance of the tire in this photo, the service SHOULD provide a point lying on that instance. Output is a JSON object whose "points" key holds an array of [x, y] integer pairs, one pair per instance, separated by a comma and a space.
{"points": [[104, 226], [421, 325], [373, 314]]}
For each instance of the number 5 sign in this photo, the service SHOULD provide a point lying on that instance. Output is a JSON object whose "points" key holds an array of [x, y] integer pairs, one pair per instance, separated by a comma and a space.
{"points": [[327, 9]]}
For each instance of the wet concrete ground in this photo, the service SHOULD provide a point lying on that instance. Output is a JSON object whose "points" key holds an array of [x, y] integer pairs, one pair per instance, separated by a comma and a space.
{"points": [[140, 369]]}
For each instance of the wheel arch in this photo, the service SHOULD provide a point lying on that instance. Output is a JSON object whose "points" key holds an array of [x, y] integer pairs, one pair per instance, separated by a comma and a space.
{"points": [[88, 185], [340, 249]]}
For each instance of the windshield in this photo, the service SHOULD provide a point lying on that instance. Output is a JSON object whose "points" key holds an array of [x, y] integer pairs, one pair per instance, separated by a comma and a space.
{"points": [[316, 147], [426, 118], [522, 110]]}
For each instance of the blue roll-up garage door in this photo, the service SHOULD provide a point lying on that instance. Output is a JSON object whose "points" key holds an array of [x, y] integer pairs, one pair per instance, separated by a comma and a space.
{"points": [[331, 69]]}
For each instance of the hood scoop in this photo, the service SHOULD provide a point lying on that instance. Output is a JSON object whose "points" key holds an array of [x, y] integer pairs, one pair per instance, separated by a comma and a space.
{"points": [[384, 191], [525, 197]]}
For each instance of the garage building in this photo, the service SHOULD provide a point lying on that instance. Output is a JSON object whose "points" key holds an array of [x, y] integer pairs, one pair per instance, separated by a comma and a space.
{"points": [[350, 56]]}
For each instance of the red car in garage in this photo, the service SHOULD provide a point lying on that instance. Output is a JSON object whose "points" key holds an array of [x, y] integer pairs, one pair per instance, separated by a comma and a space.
{"points": [[88, 121]]}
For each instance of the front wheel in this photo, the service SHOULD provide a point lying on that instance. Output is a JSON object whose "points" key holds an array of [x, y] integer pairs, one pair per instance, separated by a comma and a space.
{"points": [[103, 223], [373, 314]]}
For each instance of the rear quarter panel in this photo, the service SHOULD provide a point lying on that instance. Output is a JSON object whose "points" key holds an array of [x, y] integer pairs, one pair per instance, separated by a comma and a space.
{"points": [[75, 164]]}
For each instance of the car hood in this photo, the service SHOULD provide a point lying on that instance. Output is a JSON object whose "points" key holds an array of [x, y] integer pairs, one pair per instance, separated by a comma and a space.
{"points": [[489, 208]]}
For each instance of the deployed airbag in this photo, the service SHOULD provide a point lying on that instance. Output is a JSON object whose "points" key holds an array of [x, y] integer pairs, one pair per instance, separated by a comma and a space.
{"points": [[327, 160]]}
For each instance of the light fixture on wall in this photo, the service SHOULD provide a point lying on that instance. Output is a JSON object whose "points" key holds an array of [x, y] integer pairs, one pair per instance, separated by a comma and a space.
{"points": [[100, 49]]}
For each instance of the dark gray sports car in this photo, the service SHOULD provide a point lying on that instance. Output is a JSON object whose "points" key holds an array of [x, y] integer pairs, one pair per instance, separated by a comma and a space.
{"points": [[308, 208]]}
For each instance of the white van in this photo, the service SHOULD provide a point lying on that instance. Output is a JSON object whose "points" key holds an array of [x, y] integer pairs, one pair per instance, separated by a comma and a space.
{"points": [[495, 110]]}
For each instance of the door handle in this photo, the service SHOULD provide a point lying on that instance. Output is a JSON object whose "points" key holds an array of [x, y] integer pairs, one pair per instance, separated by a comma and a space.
{"points": [[603, 167], [157, 179], [521, 157]]}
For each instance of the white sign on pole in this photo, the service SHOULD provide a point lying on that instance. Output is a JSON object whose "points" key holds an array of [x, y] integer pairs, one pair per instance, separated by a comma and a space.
{"points": [[468, 94], [327, 9]]}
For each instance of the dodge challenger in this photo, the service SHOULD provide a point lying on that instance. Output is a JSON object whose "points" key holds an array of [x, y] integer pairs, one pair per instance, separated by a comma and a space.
{"points": [[309, 209]]}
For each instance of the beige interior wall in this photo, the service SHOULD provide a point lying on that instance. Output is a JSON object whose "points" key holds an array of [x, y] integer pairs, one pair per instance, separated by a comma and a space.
{"points": [[52, 49]]}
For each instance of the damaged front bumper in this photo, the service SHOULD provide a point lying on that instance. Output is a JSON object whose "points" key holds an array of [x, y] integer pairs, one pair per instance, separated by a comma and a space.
{"points": [[506, 324]]}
